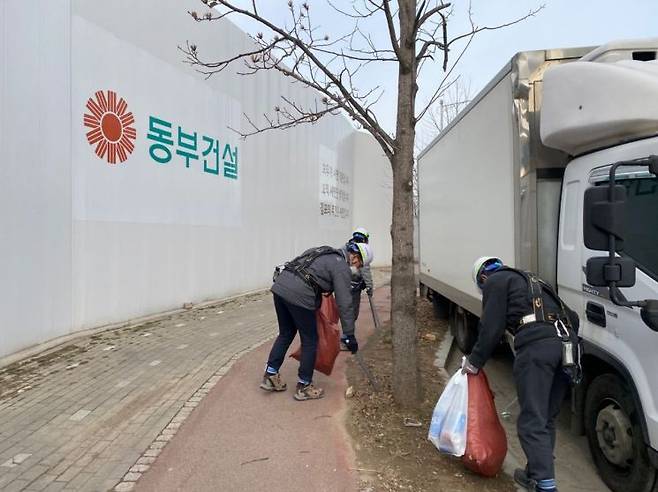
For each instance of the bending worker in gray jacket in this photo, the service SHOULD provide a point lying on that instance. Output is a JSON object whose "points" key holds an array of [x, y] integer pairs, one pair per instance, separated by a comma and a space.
{"points": [[297, 294]]}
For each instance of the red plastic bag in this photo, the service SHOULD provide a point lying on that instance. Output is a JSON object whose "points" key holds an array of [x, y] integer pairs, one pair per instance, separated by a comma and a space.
{"points": [[486, 442], [328, 336]]}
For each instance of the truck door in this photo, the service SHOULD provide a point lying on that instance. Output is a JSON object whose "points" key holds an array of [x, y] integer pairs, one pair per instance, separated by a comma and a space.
{"points": [[621, 415]]}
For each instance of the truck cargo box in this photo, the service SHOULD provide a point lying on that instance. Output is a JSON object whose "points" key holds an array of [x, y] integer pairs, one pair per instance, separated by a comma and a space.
{"points": [[488, 176]]}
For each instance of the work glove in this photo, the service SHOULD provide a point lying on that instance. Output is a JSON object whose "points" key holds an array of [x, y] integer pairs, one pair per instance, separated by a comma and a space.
{"points": [[468, 368], [369, 291], [351, 343]]}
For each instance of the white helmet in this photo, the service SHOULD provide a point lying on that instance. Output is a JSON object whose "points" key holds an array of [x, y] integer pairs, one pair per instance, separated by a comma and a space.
{"points": [[481, 263], [363, 250], [361, 233]]}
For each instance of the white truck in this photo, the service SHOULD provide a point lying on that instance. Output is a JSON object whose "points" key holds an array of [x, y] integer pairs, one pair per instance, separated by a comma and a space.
{"points": [[527, 173]]}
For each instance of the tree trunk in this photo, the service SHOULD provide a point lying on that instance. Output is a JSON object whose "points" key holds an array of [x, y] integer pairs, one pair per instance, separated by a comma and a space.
{"points": [[406, 378]]}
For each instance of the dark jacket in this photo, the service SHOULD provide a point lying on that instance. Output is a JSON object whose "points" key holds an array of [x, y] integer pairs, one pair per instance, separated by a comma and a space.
{"points": [[505, 300], [333, 275]]}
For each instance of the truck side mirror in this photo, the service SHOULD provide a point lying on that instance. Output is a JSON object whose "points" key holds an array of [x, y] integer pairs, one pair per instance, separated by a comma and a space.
{"points": [[603, 230], [603, 218], [649, 314], [600, 272]]}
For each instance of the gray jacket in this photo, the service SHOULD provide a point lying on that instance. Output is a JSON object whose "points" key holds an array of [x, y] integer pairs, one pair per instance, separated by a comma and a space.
{"points": [[333, 275]]}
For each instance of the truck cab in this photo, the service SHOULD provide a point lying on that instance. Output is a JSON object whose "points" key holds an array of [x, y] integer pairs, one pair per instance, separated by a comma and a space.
{"points": [[617, 403]]}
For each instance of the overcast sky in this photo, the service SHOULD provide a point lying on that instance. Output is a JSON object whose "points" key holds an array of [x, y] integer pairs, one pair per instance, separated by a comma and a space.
{"points": [[562, 23]]}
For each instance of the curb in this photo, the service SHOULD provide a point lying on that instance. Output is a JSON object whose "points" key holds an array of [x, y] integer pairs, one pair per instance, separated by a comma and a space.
{"points": [[149, 456], [443, 352]]}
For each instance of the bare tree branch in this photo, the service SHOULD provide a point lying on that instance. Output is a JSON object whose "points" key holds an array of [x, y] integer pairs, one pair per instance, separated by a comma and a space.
{"points": [[300, 52], [441, 45], [287, 118], [476, 29], [391, 27], [347, 100], [357, 15], [441, 88], [429, 14]]}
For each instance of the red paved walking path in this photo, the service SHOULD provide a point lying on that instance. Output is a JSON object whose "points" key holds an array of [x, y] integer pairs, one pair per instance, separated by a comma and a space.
{"points": [[241, 438]]}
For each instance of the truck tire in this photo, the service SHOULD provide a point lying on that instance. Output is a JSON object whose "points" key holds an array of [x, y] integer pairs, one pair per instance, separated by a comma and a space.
{"points": [[615, 437], [441, 306], [463, 326]]}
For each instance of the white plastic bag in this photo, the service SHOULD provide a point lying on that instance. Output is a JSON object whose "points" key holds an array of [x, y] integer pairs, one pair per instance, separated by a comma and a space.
{"points": [[448, 428]]}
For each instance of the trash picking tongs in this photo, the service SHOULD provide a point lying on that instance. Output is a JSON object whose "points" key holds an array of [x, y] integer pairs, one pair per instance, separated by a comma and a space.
{"points": [[375, 318], [366, 372], [359, 357]]}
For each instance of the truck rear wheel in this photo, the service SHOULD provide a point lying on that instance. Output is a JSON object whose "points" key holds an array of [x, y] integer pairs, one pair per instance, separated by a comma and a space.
{"points": [[441, 306], [615, 437], [463, 326]]}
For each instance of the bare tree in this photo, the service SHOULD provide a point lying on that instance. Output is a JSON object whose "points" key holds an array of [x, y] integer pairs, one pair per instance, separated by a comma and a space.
{"points": [[449, 106], [417, 36]]}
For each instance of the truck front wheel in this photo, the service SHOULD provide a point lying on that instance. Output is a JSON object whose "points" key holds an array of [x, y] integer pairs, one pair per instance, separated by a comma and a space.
{"points": [[615, 437], [463, 326]]}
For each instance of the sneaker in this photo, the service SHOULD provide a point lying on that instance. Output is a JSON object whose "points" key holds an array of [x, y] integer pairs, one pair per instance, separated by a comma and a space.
{"points": [[308, 392], [547, 485], [343, 347], [521, 477], [273, 382]]}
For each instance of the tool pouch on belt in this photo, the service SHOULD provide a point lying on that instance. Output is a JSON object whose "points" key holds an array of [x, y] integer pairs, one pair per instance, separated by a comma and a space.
{"points": [[568, 356], [571, 351]]}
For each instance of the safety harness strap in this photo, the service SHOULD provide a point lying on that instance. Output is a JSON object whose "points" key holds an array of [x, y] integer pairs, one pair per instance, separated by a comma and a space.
{"points": [[299, 265], [536, 288]]}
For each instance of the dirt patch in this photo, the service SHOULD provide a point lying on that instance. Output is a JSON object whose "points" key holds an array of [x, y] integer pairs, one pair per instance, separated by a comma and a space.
{"points": [[25, 375], [393, 456]]}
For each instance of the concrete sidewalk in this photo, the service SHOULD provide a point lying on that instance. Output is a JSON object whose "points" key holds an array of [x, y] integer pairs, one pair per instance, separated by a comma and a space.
{"points": [[241, 438]]}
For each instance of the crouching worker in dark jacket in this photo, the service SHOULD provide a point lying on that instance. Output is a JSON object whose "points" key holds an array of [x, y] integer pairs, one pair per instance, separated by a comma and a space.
{"points": [[547, 357], [298, 289]]}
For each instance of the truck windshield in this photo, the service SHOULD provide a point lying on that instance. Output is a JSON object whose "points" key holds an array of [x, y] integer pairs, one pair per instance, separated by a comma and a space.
{"points": [[641, 236]]}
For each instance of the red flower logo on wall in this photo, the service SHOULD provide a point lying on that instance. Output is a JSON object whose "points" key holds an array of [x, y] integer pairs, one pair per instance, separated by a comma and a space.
{"points": [[111, 126]]}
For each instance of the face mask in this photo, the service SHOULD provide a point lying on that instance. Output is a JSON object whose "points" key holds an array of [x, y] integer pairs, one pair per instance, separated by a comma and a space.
{"points": [[354, 270]]}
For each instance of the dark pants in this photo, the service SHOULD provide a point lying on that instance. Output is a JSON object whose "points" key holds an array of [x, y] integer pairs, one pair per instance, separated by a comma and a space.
{"points": [[541, 385], [291, 320], [356, 303]]}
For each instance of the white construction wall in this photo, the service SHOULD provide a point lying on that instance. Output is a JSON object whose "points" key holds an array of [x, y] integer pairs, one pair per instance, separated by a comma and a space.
{"points": [[373, 195], [177, 208]]}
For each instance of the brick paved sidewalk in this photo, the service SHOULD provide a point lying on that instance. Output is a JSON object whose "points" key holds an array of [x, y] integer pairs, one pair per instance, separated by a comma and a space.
{"points": [[80, 416]]}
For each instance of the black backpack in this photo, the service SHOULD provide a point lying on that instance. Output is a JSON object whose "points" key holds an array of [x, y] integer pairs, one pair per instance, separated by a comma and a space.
{"points": [[299, 266]]}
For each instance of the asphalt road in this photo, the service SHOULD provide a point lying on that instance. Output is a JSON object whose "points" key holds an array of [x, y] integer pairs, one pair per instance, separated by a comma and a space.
{"points": [[574, 467]]}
